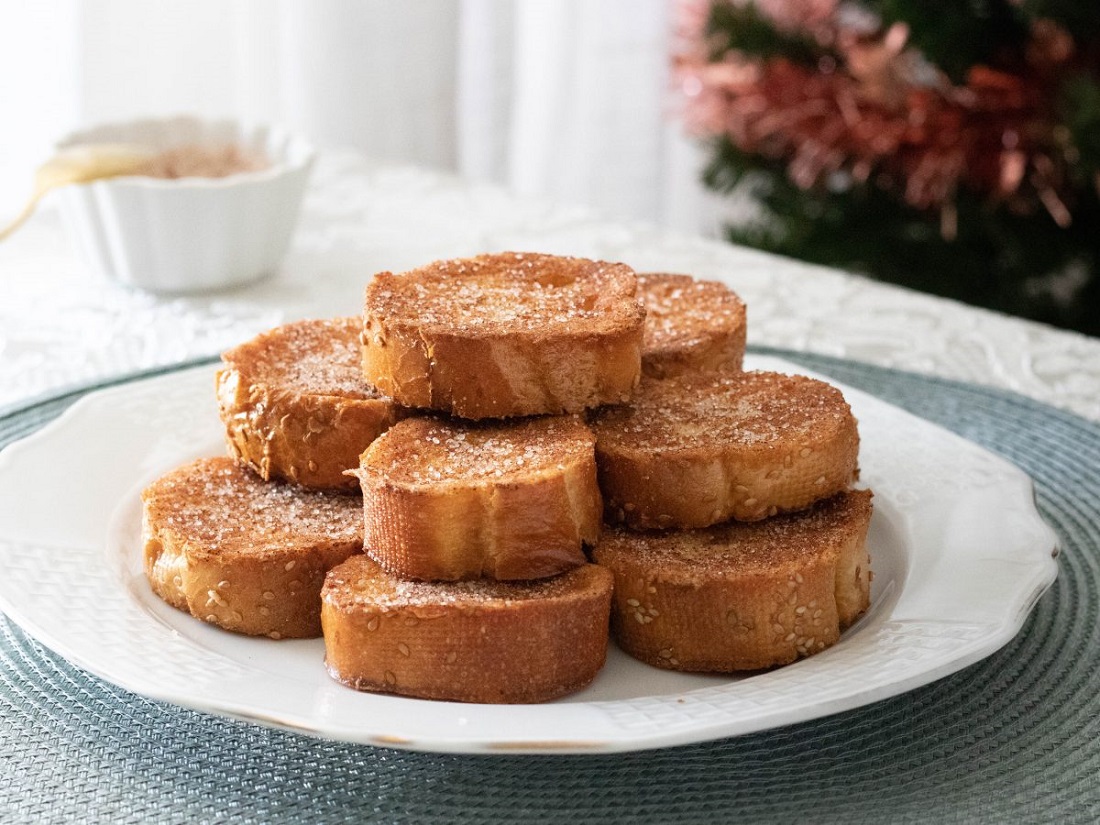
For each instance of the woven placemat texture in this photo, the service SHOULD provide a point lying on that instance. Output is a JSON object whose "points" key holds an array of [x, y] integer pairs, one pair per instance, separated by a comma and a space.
{"points": [[1014, 738]]}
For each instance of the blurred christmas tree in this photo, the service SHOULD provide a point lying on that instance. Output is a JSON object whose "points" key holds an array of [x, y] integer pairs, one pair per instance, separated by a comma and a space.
{"points": [[948, 145]]}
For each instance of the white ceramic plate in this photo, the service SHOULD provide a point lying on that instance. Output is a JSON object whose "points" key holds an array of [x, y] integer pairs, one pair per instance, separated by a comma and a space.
{"points": [[959, 553]]}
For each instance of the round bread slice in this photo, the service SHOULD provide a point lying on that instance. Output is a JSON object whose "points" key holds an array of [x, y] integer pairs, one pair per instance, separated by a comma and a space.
{"points": [[473, 641], [448, 500], [702, 448], [741, 596], [243, 554], [504, 335], [690, 325], [295, 405]]}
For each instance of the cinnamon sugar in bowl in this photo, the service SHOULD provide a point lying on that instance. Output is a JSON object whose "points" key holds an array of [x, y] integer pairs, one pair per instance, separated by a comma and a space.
{"points": [[214, 207]]}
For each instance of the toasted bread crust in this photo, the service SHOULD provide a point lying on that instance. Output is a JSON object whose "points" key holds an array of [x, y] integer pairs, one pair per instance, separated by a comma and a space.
{"points": [[690, 325], [295, 406], [504, 335], [479, 641], [698, 449], [450, 500], [741, 596], [245, 555]]}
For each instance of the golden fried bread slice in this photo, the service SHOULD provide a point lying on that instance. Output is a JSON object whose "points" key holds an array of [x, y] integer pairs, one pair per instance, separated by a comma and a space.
{"points": [[295, 405], [449, 500], [504, 335], [701, 448], [741, 596], [244, 554], [690, 325], [470, 641]]}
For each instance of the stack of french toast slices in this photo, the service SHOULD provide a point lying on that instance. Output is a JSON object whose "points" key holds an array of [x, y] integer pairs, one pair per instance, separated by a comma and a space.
{"points": [[505, 459]]}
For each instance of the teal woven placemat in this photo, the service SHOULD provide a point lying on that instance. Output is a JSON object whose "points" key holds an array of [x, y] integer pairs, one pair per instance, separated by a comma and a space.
{"points": [[1012, 739]]}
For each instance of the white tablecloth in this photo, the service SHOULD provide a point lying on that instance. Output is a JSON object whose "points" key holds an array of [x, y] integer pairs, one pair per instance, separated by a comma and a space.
{"points": [[59, 326]]}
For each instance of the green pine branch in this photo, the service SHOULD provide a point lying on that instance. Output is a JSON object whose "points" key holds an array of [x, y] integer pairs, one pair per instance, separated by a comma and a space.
{"points": [[1079, 108], [1023, 264], [956, 35], [744, 29], [998, 258]]}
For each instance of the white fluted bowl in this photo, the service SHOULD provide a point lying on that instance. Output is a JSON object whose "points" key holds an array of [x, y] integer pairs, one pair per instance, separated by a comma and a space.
{"points": [[188, 234]]}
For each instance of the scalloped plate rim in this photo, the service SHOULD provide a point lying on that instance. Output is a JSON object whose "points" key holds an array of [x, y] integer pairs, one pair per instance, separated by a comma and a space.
{"points": [[569, 721]]}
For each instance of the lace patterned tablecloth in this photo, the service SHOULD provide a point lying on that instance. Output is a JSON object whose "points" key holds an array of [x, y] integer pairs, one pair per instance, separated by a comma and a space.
{"points": [[59, 326]]}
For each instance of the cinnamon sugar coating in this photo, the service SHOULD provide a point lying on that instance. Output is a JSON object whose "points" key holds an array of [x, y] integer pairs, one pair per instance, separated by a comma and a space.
{"points": [[475, 641], [313, 357], [427, 450], [361, 586], [451, 500], [690, 325], [194, 160], [504, 335], [741, 596], [513, 293], [698, 449], [247, 555], [206, 500], [295, 405]]}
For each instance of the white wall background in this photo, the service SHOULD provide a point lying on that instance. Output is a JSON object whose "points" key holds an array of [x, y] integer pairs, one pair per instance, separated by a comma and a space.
{"points": [[565, 99]]}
